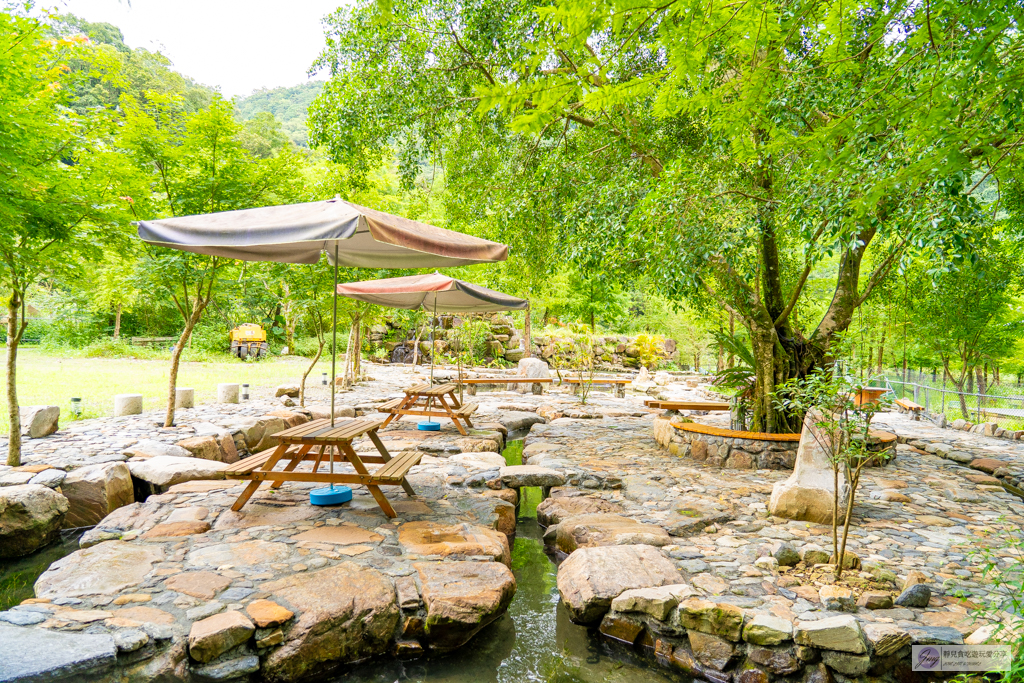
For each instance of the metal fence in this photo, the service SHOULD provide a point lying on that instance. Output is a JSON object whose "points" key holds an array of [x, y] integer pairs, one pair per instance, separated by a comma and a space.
{"points": [[1005, 409]]}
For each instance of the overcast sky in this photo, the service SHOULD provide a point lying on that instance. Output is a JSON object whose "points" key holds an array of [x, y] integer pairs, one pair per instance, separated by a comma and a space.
{"points": [[237, 45]]}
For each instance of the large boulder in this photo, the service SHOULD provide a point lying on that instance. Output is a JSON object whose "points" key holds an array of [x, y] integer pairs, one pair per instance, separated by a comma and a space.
{"points": [[30, 517], [554, 510], [39, 421], [455, 541], [807, 495], [38, 654], [345, 613], [202, 447], [592, 577], [211, 637], [96, 491], [517, 476], [588, 531], [461, 598], [103, 569], [531, 367], [291, 390], [148, 448], [164, 471]]}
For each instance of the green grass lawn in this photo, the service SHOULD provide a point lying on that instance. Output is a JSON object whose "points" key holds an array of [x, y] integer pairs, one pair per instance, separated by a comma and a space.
{"points": [[52, 379]]}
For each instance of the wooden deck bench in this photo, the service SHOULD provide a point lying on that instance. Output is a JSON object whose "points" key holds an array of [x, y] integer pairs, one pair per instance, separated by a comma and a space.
{"points": [[687, 405], [904, 405], [619, 383], [150, 341], [537, 382]]}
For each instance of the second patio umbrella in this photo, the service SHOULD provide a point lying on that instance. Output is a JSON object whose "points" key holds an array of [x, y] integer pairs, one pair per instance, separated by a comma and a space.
{"points": [[433, 292]]}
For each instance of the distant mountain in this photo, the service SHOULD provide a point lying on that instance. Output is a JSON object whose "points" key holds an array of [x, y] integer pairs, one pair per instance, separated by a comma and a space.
{"points": [[287, 104]]}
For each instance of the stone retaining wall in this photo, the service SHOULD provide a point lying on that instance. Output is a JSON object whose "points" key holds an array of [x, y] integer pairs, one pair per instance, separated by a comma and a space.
{"points": [[725, 451]]}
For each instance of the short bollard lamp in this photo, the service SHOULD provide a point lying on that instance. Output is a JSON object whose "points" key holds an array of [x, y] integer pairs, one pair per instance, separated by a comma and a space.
{"points": [[245, 392], [76, 407], [324, 381]]}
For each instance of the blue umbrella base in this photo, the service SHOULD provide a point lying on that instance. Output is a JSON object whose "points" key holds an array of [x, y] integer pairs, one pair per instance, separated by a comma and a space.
{"points": [[427, 426], [331, 495]]}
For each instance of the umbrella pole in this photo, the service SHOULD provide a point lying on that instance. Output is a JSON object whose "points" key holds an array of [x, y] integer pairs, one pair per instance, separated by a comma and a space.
{"points": [[334, 338]]}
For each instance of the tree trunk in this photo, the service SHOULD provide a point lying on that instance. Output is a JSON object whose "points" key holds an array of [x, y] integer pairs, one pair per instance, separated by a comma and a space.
{"points": [[982, 379], [527, 334], [881, 350], [117, 323], [302, 383], [179, 348], [731, 362], [15, 329]]}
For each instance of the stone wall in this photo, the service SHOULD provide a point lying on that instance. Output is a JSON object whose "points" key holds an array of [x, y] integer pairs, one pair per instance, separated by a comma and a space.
{"points": [[725, 451], [505, 341], [988, 429]]}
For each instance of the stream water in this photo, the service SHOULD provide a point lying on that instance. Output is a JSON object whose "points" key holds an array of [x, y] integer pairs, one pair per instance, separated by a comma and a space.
{"points": [[18, 576], [534, 640]]}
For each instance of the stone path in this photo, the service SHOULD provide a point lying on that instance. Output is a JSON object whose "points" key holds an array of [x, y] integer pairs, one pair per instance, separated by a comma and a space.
{"points": [[180, 584]]}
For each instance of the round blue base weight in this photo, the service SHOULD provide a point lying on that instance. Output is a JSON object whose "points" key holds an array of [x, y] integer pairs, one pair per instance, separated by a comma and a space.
{"points": [[331, 495], [427, 426]]}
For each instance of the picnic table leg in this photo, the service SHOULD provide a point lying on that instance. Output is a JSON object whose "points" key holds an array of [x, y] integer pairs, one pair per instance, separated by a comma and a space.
{"points": [[457, 406], [387, 458], [255, 483], [292, 465], [452, 416], [375, 491]]}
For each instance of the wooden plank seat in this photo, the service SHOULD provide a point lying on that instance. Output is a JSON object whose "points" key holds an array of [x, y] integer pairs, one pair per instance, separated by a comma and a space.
{"points": [[619, 383], [598, 380], [430, 401], [471, 382], [505, 380], [687, 405], [319, 441], [905, 405], [394, 471]]}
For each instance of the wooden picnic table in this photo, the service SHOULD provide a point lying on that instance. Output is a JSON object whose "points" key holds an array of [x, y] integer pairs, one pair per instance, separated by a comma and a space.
{"points": [[316, 441], [421, 399]]}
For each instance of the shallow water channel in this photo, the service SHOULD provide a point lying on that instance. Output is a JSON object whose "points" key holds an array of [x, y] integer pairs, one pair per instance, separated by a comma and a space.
{"points": [[534, 640]]}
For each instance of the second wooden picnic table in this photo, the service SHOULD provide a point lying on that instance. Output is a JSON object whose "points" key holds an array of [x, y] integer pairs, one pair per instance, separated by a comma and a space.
{"points": [[431, 401]]}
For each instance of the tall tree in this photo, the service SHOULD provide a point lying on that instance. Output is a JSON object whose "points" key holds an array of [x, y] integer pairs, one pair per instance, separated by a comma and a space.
{"points": [[197, 164], [731, 153], [59, 179]]}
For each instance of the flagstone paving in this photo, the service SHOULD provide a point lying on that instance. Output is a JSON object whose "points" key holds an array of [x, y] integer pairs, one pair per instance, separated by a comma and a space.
{"points": [[151, 575]]}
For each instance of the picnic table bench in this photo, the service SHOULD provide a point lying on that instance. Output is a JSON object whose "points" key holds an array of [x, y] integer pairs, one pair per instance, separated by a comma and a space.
{"points": [[471, 382], [618, 382], [687, 405], [420, 399], [316, 441], [905, 405]]}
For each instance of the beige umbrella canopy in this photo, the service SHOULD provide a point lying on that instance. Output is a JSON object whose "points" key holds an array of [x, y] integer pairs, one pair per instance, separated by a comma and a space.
{"points": [[352, 236], [435, 292], [297, 233]]}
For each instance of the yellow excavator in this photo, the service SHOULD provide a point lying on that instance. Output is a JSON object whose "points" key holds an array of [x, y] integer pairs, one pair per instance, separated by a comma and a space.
{"points": [[249, 340]]}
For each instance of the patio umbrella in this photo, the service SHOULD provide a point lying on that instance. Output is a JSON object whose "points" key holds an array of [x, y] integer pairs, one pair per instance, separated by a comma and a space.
{"points": [[352, 235], [432, 292]]}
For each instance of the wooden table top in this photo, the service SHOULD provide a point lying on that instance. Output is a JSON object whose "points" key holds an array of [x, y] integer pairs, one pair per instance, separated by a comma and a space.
{"points": [[427, 390], [320, 431]]}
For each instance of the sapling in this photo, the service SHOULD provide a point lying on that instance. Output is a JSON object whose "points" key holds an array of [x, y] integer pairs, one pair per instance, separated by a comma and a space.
{"points": [[842, 430]]}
